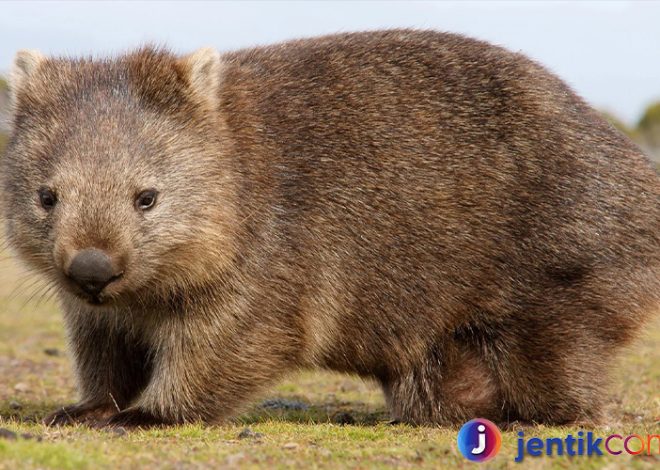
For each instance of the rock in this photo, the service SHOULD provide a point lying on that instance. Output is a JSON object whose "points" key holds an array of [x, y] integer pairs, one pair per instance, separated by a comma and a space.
{"points": [[14, 405], [52, 352], [118, 431], [30, 437], [248, 433], [290, 446], [99, 424], [21, 387], [325, 452], [283, 404], [349, 386], [7, 434]]}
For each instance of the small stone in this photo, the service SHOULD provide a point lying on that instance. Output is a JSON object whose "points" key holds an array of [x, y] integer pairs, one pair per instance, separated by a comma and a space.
{"points": [[52, 352], [234, 459], [349, 386], [248, 433], [30, 437], [7, 434], [115, 430], [290, 446], [14, 405], [118, 431], [21, 387]]}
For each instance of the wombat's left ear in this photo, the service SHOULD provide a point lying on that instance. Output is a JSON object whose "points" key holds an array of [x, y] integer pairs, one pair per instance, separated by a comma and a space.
{"points": [[26, 63], [204, 74]]}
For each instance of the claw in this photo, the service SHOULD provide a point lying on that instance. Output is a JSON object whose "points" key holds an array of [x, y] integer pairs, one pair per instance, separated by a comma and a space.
{"points": [[78, 414]]}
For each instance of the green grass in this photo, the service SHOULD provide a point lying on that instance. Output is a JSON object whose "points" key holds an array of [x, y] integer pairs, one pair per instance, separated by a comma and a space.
{"points": [[33, 383]]}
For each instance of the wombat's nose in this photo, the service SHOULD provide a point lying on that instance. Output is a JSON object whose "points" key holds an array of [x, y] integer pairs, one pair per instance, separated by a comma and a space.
{"points": [[92, 270]]}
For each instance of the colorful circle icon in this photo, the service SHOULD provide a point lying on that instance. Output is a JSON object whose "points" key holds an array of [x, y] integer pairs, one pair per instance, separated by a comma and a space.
{"points": [[479, 440]]}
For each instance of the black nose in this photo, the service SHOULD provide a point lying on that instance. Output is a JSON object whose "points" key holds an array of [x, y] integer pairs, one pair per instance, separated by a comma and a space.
{"points": [[92, 270]]}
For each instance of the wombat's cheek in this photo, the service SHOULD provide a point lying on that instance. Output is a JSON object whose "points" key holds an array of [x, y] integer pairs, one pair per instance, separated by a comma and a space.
{"points": [[32, 249]]}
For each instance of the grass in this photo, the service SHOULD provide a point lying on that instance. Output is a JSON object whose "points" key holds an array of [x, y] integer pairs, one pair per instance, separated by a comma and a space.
{"points": [[36, 377]]}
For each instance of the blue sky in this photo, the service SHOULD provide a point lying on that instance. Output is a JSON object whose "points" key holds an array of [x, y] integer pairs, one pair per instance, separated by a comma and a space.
{"points": [[608, 51]]}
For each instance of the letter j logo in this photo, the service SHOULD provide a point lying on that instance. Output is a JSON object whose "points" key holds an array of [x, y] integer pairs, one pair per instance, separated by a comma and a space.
{"points": [[479, 440]]}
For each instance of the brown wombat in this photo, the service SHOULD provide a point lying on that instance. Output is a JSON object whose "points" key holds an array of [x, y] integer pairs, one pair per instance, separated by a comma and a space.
{"points": [[427, 210]]}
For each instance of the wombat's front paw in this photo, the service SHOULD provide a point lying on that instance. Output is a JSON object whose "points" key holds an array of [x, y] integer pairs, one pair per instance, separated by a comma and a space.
{"points": [[134, 418], [80, 413]]}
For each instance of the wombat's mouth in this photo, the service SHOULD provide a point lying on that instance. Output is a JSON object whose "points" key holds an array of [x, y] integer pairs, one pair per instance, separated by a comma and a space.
{"points": [[98, 300]]}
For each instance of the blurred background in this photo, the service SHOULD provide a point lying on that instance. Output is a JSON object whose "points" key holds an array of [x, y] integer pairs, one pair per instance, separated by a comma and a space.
{"points": [[608, 51]]}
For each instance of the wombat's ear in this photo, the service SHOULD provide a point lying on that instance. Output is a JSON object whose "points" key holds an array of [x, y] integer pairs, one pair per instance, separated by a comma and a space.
{"points": [[204, 68], [25, 65]]}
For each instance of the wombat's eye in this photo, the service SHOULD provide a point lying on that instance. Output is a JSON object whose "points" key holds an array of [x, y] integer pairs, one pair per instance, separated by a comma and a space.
{"points": [[146, 199], [47, 198]]}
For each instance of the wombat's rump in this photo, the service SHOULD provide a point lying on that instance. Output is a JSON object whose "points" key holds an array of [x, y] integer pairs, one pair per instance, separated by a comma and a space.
{"points": [[427, 210]]}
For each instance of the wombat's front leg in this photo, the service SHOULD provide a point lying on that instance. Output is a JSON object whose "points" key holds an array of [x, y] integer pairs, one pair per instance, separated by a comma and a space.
{"points": [[112, 368], [205, 376], [88, 413]]}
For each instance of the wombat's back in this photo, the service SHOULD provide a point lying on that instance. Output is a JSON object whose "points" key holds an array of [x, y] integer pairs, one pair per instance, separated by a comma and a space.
{"points": [[407, 147], [428, 186]]}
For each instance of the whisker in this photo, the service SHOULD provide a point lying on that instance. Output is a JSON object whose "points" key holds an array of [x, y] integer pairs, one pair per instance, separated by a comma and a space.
{"points": [[38, 290], [27, 283]]}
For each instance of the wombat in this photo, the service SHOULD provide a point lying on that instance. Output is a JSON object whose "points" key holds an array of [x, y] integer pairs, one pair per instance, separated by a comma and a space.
{"points": [[420, 208]]}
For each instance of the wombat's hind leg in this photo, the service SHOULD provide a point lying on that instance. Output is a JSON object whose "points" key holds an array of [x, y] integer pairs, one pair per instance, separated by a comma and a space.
{"points": [[453, 385]]}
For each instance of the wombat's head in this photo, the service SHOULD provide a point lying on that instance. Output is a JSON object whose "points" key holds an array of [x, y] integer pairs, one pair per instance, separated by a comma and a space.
{"points": [[115, 181]]}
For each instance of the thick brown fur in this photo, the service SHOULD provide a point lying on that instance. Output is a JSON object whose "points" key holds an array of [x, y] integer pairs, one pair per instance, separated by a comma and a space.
{"points": [[421, 208]]}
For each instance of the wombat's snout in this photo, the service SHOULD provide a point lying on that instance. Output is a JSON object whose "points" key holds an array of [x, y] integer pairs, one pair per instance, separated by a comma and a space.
{"points": [[92, 270]]}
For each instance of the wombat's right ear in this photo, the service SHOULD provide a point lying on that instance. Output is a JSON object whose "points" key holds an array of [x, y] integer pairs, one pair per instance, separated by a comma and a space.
{"points": [[25, 65]]}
